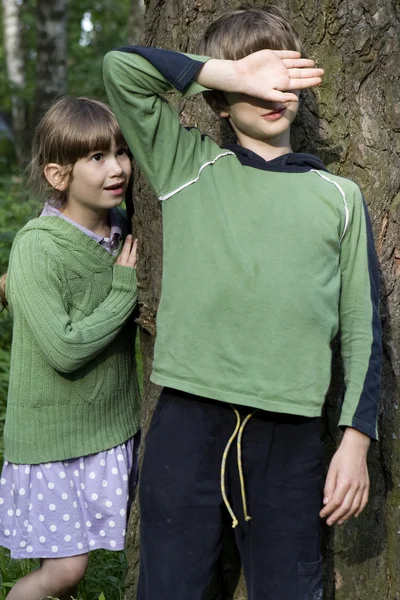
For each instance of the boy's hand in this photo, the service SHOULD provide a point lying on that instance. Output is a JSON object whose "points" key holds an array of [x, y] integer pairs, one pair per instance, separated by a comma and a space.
{"points": [[268, 74], [347, 483], [128, 256], [272, 75]]}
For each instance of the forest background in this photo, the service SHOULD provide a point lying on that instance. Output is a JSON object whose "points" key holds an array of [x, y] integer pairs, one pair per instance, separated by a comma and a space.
{"points": [[352, 122]]}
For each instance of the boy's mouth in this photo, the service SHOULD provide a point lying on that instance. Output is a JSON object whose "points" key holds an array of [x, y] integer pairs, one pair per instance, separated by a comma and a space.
{"points": [[273, 115]]}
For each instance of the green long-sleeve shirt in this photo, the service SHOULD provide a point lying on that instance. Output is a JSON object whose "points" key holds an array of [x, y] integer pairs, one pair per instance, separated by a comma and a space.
{"points": [[73, 388], [264, 262]]}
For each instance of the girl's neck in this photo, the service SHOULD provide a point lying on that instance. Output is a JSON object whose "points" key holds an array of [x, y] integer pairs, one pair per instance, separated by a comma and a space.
{"points": [[96, 221]]}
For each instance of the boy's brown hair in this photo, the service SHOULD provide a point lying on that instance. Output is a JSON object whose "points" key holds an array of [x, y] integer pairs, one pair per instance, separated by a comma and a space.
{"points": [[242, 31]]}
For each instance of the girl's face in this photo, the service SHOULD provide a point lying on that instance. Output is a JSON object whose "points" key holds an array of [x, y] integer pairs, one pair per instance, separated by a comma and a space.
{"points": [[99, 180]]}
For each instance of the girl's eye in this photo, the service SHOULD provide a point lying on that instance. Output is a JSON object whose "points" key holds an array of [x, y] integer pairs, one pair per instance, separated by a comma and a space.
{"points": [[122, 151], [97, 157]]}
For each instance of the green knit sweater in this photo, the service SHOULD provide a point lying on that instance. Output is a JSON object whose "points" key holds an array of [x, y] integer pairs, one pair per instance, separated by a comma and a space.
{"points": [[73, 388]]}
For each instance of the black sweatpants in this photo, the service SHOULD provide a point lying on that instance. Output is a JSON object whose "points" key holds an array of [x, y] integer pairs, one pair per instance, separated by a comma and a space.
{"points": [[181, 505]]}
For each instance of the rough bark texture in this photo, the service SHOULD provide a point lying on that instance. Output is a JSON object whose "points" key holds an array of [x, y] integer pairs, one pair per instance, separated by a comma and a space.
{"points": [[16, 74], [51, 61], [353, 123]]}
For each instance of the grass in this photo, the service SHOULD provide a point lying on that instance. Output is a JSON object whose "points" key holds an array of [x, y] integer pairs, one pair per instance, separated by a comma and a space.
{"points": [[107, 570]]}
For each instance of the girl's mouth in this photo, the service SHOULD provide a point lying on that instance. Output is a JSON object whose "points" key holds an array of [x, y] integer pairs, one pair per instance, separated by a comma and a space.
{"points": [[274, 115]]}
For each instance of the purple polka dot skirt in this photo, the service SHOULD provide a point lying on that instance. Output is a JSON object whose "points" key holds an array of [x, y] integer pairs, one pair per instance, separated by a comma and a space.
{"points": [[67, 508]]}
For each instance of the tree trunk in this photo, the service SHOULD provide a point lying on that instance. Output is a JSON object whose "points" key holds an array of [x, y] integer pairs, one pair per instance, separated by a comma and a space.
{"points": [[51, 47], [353, 123], [16, 74], [136, 21]]}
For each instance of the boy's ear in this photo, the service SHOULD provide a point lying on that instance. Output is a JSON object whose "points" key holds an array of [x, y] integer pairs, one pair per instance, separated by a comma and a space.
{"points": [[57, 176]]}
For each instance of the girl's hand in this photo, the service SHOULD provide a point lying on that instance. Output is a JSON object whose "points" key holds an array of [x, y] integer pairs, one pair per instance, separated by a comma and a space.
{"points": [[128, 256], [275, 75]]}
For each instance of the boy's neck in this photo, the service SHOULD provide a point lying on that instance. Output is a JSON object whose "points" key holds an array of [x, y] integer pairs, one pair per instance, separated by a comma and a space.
{"points": [[93, 220], [267, 149]]}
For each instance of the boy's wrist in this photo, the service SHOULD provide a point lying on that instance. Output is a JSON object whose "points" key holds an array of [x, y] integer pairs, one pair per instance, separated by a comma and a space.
{"points": [[218, 74], [356, 438]]}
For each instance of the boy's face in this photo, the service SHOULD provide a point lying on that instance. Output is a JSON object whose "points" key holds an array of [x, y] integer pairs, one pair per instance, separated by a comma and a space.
{"points": [[256, 119]]}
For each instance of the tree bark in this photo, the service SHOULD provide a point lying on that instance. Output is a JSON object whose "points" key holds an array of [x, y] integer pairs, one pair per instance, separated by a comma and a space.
{"points": [[16, 75], [51, 47], [353, 123]]}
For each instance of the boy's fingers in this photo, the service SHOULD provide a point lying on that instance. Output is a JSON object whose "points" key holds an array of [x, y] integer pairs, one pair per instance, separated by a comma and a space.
{"points": [[364, 501], [335, 500], [287, 54], [295, 63], [305, 73], [354, 507], [277, 96], [342, 505], [299, 84]]}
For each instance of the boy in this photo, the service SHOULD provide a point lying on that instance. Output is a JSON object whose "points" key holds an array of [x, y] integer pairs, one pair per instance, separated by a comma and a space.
{"points": [[265, 255]]}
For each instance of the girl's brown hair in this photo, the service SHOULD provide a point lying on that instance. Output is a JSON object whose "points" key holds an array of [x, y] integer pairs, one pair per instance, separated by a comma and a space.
{"points": [[242, 31], [70, 130]]}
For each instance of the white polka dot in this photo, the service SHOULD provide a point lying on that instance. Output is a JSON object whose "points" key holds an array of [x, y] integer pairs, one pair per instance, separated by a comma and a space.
{"points": [[104, 483], [78, 493], [113, 543], [111, 523], [61, 475], [1, 501], [82, 486], [12, 493], [29, 549], [122, 512], [108, 503], [118, 491], [94, 496], [75, 504], [64, 496], [111, 451], [92, 475], [52, 507], [22, 544], [88, 524], [40, 496], [123, 446], [22, 492], [66, 464], [30, 506], [114, 471], [10, 512], [71, 483], [7, 532], [66, 518], [15, 467], [91, 543], [13, 486], [120, 457], [77, 525], [80, 546], [103, 462], [27, 470], [18, 512], [47, 465], [26, 523], [39, 475], [86, 504], [42, 539], [53, 528], [82, 465], [14, 532], [3, 481], [41, 518], [50, 485], [67, 538], [125, 477], [98, 516], [30, 486], [76, 473], [30, 528], [102, 533], [54, 549], [124, 533], [6, 462]]}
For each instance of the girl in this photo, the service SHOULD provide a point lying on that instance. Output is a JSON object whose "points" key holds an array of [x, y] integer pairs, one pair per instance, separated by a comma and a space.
{"points": [[71, 432]]}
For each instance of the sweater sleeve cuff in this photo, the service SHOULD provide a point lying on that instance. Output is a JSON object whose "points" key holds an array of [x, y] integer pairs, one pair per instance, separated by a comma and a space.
{"points": [[365, 428], [124, 279]]}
